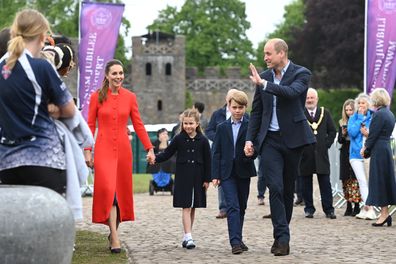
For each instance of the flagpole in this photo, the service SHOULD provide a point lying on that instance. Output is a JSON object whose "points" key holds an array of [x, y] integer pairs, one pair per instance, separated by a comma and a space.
{"points": [[78, 68]]}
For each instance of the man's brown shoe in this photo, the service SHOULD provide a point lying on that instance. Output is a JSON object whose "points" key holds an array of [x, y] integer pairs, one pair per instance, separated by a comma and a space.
{"points": [[283, 249], [274, 246], [221, 215], [236, 249], [244, 247]]}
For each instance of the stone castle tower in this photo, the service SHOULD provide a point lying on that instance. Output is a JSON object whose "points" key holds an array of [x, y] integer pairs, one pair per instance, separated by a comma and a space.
{"points": [[159, 76]]}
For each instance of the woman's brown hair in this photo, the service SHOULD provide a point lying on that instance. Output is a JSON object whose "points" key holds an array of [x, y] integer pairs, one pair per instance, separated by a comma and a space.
{"points": [[105, 84]]}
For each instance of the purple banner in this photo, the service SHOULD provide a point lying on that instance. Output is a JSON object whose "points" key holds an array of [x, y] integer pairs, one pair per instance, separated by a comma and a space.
{"points": [[381, 45], [99, 27]]}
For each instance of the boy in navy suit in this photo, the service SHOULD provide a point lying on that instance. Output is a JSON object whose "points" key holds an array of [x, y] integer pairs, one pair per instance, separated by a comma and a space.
{"points": [[232, 169]]}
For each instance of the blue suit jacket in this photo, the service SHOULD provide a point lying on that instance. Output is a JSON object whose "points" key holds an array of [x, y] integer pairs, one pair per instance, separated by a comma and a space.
{"points": [[223, 153], [291, 94]]}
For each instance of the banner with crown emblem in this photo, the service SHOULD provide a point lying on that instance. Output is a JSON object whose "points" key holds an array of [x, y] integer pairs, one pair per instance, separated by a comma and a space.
{"points": [[99, 27], [381, 45]]}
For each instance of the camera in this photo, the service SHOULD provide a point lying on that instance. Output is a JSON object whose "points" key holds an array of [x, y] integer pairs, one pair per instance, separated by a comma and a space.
{"points": [[362, 124], [344, 126]]}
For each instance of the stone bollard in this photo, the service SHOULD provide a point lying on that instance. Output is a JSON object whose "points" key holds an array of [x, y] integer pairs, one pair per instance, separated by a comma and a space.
{"points": [[36, 226]]}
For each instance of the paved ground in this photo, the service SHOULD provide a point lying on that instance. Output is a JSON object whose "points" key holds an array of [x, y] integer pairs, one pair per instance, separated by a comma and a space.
{"points": [[155, 236]]}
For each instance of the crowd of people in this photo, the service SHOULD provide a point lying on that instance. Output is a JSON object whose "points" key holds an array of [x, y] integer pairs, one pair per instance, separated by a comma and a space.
{"points": [[287, 131]]}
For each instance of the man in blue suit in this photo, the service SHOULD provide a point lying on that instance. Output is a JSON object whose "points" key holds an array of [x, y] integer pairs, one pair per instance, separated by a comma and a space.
{"points": [[232, 169], [278, 130]]}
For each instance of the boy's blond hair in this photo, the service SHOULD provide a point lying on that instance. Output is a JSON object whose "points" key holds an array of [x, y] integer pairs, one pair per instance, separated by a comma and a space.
{"points": [[239, 97]]}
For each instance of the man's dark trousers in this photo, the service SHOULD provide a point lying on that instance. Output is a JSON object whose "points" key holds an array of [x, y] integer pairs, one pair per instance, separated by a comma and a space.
{"points": [[280, 168], [325, 193]]}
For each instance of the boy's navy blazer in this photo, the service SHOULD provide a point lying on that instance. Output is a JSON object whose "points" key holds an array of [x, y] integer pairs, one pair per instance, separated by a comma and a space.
{"points": [[223, 153]]}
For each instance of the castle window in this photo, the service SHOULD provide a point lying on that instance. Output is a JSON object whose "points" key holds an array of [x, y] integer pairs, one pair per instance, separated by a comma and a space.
{"points": [[168, 69], [148, 69], [159, 105]]}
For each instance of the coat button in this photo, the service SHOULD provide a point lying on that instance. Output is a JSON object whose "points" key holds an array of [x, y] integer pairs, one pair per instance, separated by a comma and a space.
{"points": [[192, 161], [192, 150], [188, 161], [188, 150]]}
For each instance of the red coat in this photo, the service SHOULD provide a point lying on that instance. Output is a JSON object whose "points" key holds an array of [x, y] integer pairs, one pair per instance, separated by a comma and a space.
{"points": [[113, 153]]}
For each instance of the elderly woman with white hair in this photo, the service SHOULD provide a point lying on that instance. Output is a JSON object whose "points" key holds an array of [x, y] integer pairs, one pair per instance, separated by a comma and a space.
{"points": [[382, 185], [358, 131]]}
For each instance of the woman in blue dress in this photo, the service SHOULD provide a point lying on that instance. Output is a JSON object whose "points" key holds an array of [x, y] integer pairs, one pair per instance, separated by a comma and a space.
{"points": [[382, 185]]}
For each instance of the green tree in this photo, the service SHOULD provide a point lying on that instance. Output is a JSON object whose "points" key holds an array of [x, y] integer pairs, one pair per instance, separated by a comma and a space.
{"points": [[293, 20], [215, 32], [331, 42]]}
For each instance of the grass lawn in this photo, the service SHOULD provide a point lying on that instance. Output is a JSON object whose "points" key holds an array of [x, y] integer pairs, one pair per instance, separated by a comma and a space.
{"points": [[90, 245], [141, 183], [90, 249]]}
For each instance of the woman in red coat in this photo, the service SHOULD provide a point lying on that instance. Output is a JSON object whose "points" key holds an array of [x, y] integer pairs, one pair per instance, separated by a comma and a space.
{"points": [[110, 108]]}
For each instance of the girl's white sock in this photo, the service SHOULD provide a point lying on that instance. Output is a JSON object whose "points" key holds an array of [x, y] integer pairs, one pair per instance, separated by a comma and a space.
{"points": [[187, 236]]}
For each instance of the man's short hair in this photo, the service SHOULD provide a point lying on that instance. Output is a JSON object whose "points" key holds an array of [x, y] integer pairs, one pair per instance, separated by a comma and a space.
{"points": [[280, 45]]}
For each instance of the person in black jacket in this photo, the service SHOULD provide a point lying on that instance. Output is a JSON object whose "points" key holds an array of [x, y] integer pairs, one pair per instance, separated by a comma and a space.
{"points": [[193, 170], [315, 157], [350, 184]]}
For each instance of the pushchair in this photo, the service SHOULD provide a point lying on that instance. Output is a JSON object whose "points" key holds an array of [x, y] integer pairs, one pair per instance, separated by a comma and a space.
{"points": [[161, 181]]}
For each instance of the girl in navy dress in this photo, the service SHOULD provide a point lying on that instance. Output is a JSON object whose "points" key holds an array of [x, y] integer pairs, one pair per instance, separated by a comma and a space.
{"points": [[193, 168]]}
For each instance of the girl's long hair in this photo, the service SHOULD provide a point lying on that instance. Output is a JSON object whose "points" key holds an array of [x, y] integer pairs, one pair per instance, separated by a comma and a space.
{"points": [[28, 25], [344, 117]]}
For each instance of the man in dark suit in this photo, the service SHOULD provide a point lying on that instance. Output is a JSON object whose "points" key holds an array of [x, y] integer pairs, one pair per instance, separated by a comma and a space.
{"points": [[278, 131], [218, 116], [232, 169], [315, 158]]}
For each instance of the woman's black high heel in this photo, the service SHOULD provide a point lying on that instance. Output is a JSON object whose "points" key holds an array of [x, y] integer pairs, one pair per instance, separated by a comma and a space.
{"points": [[388, 222]]}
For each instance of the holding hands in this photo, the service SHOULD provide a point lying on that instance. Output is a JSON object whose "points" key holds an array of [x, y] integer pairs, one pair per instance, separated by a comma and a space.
{"points": [[215, 182], [150, 157], [249, 150]]}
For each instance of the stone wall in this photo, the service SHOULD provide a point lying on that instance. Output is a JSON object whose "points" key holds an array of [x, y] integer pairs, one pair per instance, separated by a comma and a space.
{"points": [[212, 87], [161, 94]]}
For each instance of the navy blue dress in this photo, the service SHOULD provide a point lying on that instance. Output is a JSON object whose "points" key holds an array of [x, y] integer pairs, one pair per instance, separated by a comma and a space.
{"points": [[382, 185]]}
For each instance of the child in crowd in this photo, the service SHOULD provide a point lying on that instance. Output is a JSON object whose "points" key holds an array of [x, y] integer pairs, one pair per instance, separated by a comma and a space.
{"points": [[350, 184], [192, 170], [232, 169]]}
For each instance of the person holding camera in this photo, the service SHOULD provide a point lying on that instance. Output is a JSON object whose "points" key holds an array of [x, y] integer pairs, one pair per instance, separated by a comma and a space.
{"points": [[350, 184], [358, 131], [382, 183]]}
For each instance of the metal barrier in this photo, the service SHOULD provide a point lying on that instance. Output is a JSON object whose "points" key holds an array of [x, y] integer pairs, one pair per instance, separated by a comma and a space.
{"points": [[336, 184]]}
